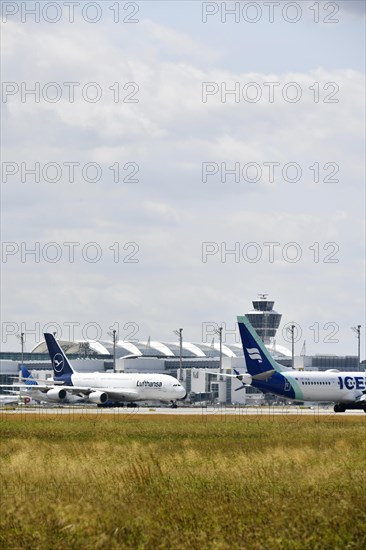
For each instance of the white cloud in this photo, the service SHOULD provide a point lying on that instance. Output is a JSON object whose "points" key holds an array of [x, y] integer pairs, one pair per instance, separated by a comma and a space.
{"points": [[170, 211]]}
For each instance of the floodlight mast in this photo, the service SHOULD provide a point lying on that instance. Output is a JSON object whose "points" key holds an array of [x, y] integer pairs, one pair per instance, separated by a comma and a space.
{"points": [[357, 330], [114, 336], [291, 330], [21, 338], [219, 332], [179, 333]]}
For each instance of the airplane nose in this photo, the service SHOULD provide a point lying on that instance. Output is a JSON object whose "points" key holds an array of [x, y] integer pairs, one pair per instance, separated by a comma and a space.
{"points": [[182, 393]]}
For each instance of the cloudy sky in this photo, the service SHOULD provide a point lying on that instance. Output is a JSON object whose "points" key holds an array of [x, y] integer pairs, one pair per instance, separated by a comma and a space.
{"points": [[174, 160]]}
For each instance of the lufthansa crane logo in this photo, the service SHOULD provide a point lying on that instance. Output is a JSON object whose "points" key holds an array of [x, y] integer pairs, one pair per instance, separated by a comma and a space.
{"points": [[254, 354], [58, 362]]}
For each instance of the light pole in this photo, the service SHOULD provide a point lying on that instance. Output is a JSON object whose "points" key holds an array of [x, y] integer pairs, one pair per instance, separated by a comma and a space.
{"points": [[21, 338], [22, 344], [219, 332], [292, 332], [179, 333], [114, 350], [357, 330], [114, 336]]}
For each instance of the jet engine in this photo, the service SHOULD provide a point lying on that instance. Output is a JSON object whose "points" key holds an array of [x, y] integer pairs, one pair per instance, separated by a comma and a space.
{"points": [[56, 394], [98, 397]]}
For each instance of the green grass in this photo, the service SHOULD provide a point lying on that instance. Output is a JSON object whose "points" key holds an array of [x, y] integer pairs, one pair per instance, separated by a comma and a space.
{"points": [[220, 482]]}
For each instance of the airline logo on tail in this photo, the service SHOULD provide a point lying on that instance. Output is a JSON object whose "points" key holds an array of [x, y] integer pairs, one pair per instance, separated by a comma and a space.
{"points": [[58, 363], [62, 369], [258, 360], [254, 354]]}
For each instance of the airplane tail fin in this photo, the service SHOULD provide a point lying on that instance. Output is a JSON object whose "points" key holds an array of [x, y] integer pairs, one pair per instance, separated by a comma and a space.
{"points": [[27, 377], [260, 364], [62, 369]]}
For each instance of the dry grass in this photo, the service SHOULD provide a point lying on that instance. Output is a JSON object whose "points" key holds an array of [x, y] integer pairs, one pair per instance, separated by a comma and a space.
{"points": [[182, 482]]}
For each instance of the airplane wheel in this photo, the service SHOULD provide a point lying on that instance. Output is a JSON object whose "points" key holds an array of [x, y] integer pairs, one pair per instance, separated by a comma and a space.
{"points": [[339, 408]]}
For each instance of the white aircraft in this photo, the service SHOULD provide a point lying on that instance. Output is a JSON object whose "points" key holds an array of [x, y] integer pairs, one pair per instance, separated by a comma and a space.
{"points": [[104, 388], [346, 389], [17, 398]]}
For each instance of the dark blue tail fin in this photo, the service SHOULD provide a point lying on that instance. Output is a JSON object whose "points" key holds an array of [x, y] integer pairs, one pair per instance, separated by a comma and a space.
{"points": [[27, 377], [258, 360], [62, 370]]}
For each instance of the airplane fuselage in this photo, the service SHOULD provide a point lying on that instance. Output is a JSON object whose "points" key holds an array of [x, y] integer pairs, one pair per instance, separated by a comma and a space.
{"points": [[342, 387], [149, 386]]}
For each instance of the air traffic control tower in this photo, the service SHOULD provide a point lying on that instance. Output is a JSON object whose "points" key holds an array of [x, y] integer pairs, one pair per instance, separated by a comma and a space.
{"points": [[264, 319]]}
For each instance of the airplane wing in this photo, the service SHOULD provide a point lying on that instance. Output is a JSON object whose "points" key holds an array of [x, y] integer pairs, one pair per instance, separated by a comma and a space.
{"points": [[221, 374], [242, 377], [121, 393], [113, 393], [30, 386]]}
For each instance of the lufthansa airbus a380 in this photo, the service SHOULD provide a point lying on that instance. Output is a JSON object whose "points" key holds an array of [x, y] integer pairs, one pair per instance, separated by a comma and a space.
{"points": [[346, 389], [103, 388]]}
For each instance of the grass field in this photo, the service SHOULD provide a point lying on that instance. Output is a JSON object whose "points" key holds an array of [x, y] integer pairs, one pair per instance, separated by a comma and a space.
{"points": [[182, 482]]}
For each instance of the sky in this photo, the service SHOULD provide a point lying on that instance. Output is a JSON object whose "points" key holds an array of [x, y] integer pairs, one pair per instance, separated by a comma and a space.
{"points": [[165, 162]]}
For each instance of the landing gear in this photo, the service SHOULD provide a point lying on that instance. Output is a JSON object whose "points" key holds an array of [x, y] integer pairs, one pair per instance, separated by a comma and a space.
{"points": [[339, 408], [131, 404], [174, 405]]}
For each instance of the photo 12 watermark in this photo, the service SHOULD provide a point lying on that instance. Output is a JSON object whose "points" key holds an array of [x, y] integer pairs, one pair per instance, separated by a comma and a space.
{"points": [[270, 252], [326, 332], [230, 12], [269, 92], [69, 92], [70, 12], [269, 172], [70, 171], [69, 252], [72, 331]]}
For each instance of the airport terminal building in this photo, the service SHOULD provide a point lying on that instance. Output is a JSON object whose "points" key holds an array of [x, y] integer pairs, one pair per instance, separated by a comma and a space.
{"points": [[189, 363]]}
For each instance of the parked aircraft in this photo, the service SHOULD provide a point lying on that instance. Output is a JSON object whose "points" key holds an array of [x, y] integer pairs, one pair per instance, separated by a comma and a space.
{"points": [[15, 399], [102, 388], [346, 389]]}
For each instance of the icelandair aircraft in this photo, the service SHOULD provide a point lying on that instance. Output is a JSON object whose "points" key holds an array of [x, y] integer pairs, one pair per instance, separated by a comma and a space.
{"points": [[103, 388], [346, 389]]}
